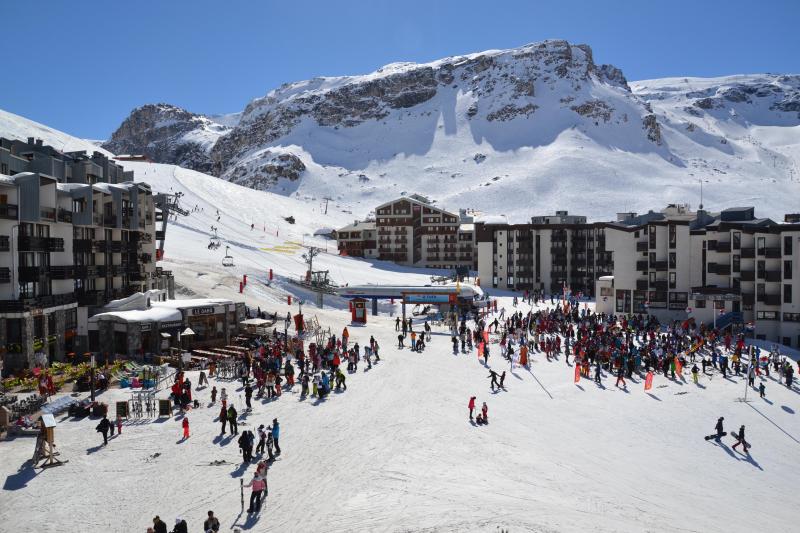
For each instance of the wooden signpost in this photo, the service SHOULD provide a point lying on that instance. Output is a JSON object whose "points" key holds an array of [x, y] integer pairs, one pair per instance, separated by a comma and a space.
{"points": [[45, 444]]}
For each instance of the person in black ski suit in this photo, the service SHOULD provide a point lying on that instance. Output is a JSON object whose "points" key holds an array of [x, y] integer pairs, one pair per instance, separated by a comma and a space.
{"points": [[103, 427], [740, 440], [493, 375], [502, 379], [719, 427]]}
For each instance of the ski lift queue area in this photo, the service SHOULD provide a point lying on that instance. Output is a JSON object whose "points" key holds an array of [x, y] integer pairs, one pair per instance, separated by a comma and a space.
{"points": [[446, 297], [158, 326]]}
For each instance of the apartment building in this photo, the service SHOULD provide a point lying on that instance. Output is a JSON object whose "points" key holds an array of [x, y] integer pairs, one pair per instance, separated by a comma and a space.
{"points": [[359, 239], [75, 233], [748, 267], [549, 253], [411, 231]]}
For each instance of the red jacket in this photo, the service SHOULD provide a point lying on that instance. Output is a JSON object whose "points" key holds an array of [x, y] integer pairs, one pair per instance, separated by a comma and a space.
{"points": [[185, 423], [472, 403]]}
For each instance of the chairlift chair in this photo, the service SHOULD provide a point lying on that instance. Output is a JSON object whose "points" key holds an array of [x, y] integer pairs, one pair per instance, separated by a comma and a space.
{"points": [[227, 261]]}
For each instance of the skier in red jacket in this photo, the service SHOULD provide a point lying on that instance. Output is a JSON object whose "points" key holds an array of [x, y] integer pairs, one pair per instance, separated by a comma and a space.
{"points": [[185, 424], [471, 406]]}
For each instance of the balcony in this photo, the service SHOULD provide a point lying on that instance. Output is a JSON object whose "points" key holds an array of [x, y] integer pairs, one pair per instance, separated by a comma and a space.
{"points": [[97, 219], [37, 302], [4, 243], [559, 250], [641, 285], [82, 246], [47, 213], [659, 285], [772, 253], [5, 275], [62, 272], [659, 266], [114, 247], [769, 299], [31, 273], [748, 275], [711, 246], [641, 246], [9, 211], [748, 298], [772, 275], [748, 253], [41, 244], [109, 220], [641, 266], [64, 215], [719, 269], [91, 298], [159, 235], [723, 247], [137, 276], [86, 271], [145, 258]]}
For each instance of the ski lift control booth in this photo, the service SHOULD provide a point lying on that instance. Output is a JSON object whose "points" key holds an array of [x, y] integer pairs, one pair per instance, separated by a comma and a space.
{"points": [[458, 296]]}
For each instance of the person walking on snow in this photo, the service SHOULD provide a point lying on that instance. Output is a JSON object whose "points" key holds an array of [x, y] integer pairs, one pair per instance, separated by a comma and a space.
{"points": [[761, 389], [740, 440], [621, 377], [502, 380], [471, 406], [493, 375], [103, 428], [259, 485], [185, 425]]}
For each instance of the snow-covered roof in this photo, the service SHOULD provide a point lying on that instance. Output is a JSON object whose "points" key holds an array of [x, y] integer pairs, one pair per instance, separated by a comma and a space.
{"points": [[194, 302], [153, 314]]}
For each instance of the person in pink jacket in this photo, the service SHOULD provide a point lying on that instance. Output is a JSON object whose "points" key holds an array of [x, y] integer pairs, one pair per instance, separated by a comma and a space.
{"points": [[471, 406], [259, 485]]}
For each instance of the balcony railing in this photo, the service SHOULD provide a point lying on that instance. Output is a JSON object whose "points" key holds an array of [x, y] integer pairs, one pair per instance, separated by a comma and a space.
{"points": [[659, 285], [641, 246], [91, 298], [87, 271], [723, 247], [773, 275], [64, 215], [641, 285], [41, 244], [659, 266], [748, 253], [772, 253], [769, 299], [38, 302], [48, 213], [641, 266], [82, 245], [9, 211], [62, 272], [32, 273], [748, 275]]}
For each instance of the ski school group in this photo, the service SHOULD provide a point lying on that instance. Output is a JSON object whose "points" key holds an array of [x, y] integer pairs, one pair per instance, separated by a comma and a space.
{"points": [[616, 345]]}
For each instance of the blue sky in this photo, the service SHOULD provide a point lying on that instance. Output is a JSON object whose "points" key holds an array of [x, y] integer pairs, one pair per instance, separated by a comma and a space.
{"points": [[82, 66]]}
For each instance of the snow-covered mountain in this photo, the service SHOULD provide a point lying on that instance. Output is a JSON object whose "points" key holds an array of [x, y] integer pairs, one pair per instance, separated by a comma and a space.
{"points": [[169, 134], [518, 132], [17, 127]]}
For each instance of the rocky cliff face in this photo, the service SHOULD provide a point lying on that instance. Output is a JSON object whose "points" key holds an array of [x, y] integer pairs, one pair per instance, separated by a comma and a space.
{"points": [[168, 134]]}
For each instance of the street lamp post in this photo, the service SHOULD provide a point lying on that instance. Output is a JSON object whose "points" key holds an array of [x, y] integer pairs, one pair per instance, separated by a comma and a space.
{"points": [[92, 377]]}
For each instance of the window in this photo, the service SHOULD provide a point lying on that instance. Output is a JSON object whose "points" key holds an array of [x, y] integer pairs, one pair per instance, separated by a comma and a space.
{"points": [[787, 270], [761, 245], [760, 290], [700, 304], [791, 317], [652, 237], [14, 330], [737, 284], [673, 236], [767, 315], [736, 263], [761, 269], [3, 169], [652, 276], [672, 280], [673, 260], [787, 245], [787, 294], [737, 240]]}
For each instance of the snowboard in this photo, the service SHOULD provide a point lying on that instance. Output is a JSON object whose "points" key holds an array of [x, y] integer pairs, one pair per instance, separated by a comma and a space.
{"points": [[714, 436], [736, 436]]}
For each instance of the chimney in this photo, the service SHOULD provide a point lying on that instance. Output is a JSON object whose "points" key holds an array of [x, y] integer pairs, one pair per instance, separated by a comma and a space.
{"points": [[39, 142], [31, 141]]}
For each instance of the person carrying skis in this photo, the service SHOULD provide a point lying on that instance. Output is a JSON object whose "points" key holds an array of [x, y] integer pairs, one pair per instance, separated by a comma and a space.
{"points": [[471, 406]]}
